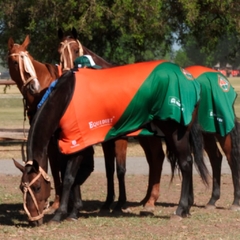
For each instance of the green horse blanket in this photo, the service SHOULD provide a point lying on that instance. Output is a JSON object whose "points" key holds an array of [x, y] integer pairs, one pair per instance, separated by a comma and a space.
{"points": [[113, 102], [216, 111]]}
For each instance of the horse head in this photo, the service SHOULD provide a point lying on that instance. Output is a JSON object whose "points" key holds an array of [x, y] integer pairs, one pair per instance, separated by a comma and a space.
{"points": [[69, 49], [21, 68], [35, 186]]}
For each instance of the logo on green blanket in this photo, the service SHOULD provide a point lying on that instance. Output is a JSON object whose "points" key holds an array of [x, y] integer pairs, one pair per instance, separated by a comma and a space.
{"points": [[215, 116], [188, 75], [223, 83], [176, 102]]}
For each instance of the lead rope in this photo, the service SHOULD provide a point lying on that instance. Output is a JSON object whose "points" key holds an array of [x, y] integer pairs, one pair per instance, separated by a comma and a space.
{"points": [[24, 130]]}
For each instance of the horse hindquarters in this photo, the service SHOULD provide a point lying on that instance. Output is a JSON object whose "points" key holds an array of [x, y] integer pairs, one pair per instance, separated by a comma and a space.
{"points": [[230, 146], [179, 152]]}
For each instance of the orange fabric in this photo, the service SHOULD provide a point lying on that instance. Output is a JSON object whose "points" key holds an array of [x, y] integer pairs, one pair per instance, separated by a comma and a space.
{"points": [[196, 71], [95, 122]]}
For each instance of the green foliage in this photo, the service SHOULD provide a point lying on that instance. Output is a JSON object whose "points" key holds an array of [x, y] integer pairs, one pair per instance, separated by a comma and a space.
{"points": [[182, 59], [121, 31]]}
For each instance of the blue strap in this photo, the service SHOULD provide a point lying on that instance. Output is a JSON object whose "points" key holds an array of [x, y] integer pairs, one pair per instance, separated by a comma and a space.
{"points": [[47, 93]]}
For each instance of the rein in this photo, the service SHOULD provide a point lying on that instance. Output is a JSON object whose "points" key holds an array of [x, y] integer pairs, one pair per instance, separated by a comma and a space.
{"points": [[27, 188], [25, 64], [63, 59]]}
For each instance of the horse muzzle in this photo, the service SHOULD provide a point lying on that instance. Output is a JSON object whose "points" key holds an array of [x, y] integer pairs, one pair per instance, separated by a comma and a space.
{"points": [[36, 223], [34, 86]]}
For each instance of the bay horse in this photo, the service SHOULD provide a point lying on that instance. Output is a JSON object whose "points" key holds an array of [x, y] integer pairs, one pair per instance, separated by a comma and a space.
{"points": [[33, 79], [150, 100], [70, 48], [219, 124]]}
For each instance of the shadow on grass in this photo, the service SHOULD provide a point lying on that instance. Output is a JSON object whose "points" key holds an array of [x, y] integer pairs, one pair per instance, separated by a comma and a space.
{"points": [[13, 214]]}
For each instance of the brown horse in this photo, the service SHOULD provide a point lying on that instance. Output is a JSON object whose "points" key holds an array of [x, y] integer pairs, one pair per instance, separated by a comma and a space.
{"points": [[69, 49], [33, 79], [70, 46], [214, 82]]}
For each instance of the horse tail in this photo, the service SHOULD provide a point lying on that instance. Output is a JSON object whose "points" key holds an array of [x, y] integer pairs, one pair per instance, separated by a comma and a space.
{"points": [[196, 142], [197, 148], [173, 160], [235, 153]]}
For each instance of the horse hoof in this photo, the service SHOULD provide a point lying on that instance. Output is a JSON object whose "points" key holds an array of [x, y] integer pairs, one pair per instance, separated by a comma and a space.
{"points": [[126, 210], [210, 207], [71, 219], [175, 217], [49, 211], [147, 211], [235, 208], [53, 222]]}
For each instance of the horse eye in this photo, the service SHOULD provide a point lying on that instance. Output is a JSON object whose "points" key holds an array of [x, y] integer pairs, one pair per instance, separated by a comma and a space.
{"points": [[15, 63], [77, 51], [36, 189]]}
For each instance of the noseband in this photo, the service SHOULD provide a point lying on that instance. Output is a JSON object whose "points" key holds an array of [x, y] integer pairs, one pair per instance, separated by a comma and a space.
{"points": [[25, 64], [63, 59], [27, 188]]}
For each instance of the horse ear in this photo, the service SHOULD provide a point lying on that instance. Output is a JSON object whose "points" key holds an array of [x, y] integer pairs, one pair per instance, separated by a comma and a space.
{"points": [[60, 34], [10, 43], [26, 42], [74, 33], [33, 166], [18, 165]]}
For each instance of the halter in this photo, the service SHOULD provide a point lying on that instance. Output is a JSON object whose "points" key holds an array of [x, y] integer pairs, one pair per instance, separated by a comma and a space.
{"points": [[27, 188], [25, 64], [66, 45]]}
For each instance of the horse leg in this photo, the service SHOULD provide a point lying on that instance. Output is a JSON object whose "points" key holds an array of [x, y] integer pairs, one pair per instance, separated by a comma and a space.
{"points": [[152, 147], [185, 164], [109, 156], [121, 153], [73, 164], [179, 150], [215, 158], [53, 155], [77, 202], [230, 146]]}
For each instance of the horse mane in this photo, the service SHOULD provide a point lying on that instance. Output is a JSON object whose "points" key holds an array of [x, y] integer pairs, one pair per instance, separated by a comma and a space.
{"points": [[53, 70], [97, 59]]}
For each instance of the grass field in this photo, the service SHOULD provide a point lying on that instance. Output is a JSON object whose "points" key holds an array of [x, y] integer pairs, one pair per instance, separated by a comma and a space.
{"points": [[220, 223], [11, 106]]}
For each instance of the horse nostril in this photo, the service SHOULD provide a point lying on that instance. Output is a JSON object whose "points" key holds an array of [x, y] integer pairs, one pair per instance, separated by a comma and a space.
{"points": [[32, 87]]}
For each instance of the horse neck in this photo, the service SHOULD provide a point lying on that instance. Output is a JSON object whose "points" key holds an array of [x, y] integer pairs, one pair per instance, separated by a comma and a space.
{"points": [[46, 73], [46, 120], [97, 59]]}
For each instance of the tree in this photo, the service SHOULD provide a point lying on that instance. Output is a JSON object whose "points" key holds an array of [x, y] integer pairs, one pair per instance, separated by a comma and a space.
{"points": [[121, 31]]}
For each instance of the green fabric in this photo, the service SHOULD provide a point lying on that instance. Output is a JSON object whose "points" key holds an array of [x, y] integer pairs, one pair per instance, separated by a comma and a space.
{"points": [[85, 61], [167, 93], [216, 112]]}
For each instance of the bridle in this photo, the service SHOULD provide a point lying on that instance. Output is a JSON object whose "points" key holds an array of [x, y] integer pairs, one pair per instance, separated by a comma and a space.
{"points": [[63, 60], [27, 188], [25, 64]]}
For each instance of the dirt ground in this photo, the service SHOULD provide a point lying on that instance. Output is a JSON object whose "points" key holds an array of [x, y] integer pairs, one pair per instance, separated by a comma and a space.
{"points": [[219, 223]]}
